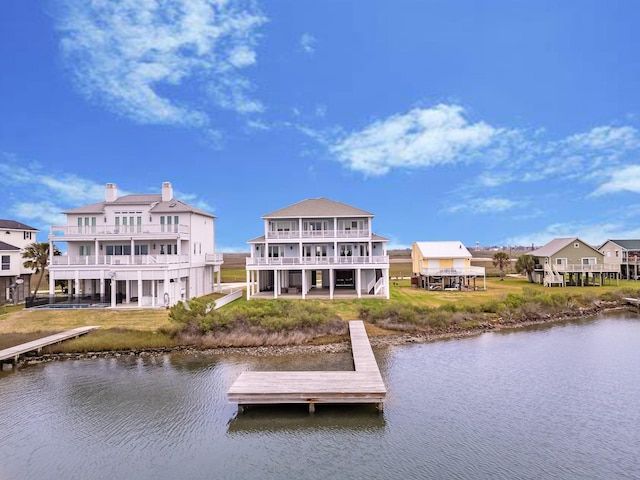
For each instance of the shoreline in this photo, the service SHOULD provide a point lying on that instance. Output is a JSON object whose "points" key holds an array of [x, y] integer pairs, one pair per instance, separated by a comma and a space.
{"points": [[377, 341]]}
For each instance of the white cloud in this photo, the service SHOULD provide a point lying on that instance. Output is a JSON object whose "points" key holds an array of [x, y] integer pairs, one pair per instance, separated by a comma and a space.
{"points": [[128, 55], [422, 137], [43, 212], [307, 43], [593, 233], [625, 179], [49, 194], [485, 205]]}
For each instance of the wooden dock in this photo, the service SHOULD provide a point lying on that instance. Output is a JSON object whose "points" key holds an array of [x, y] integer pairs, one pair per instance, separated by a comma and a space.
{"points": [[12, 354], [362, 385]]}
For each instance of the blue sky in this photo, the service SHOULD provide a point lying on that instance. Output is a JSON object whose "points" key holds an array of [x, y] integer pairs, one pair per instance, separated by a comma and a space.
{"points": [[500, 122]]}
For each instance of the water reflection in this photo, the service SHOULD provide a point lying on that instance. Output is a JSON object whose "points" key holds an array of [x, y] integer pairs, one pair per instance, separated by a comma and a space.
{"points": [[288, 418]]}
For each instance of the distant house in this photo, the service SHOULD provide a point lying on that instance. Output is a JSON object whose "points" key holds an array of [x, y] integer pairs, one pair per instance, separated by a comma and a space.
{"points": [[444, 265], [144, 250], [321, 248], [15, 279], [571, 261], [625, 253]]}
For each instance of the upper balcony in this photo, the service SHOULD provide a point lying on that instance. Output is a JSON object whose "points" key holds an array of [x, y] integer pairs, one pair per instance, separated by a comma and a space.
{"points": [[214, 259], [317, 234], [73, 232], [379, 260]]}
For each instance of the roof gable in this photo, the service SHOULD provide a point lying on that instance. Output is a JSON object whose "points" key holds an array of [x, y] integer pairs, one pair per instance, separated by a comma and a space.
{"points": [[318, 208], [557, 244]]}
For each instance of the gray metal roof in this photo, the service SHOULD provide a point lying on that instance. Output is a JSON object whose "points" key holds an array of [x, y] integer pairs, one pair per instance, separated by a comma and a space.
{"points": [[14, 225], [630, 245], [93, 208], [318, 208], [378, 238], [5, 246], [178, 206], [174, 205], [557, 244], [260, 239]]}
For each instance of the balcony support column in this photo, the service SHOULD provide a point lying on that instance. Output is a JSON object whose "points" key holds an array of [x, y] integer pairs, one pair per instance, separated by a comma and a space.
{"points": [[166, 294], [102, 299], [304, 284], [276, 283], [76, 284], [153, 292], [358, 290], [113, 292], [96, 247], [385, 272], [331, 283], [52, 286], [249, 284], [127, 290], [140, 288], [219, 279]]}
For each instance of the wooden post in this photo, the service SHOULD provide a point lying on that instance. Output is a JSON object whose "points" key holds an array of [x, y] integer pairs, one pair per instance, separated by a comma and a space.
{"points": [[312, 407]]}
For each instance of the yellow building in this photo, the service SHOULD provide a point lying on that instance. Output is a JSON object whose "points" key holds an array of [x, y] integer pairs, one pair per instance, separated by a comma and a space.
{"points": [[444, 266]]}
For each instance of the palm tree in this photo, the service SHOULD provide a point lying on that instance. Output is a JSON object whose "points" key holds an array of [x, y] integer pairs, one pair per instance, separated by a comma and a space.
{"points": [[37, 255], [526, 264], [501, 260]]}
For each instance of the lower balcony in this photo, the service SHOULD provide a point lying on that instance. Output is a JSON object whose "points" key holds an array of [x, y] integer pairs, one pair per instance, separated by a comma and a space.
{"points": [[380, 260]]}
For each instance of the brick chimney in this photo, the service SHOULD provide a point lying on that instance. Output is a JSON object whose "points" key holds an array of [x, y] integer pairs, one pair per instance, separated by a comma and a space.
{"points": [[167, 191], [111, 192]]}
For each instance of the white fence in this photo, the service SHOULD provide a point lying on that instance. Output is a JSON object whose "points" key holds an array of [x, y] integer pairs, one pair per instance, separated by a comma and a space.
{"points": [[453, 272], [113, 230], [119, 259], [221, 302], [377, 260]]}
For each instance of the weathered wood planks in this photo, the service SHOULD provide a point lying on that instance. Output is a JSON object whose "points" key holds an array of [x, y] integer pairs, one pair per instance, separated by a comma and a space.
{"points": [[14, 353], [363, 385]]}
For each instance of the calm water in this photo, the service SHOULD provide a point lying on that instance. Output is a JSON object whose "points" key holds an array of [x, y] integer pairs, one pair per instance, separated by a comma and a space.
{"points": [[553, 402]]}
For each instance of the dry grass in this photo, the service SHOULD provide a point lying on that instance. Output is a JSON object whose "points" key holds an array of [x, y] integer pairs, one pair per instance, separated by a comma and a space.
{"points": [[43, 320]]}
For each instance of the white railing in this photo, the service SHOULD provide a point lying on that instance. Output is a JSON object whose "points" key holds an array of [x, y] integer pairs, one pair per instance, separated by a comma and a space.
{"points": [[371, 284], [319, 234], [118, 259], [597, 268], [114, 230], [213, 258], [453, 271], [378, 286], [268, 261]]}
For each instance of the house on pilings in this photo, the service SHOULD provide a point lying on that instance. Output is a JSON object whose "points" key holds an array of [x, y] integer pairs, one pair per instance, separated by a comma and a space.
{"points": [[572, 262]]}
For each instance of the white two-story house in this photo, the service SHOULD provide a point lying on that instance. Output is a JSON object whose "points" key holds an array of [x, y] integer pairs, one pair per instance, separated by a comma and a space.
{"points": [[318, 247], [15, 279], [145, 250]]}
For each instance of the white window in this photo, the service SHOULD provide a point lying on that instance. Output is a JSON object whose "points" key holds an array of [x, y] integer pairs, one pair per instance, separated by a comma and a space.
{"points": [[561, 261], [6, 262], [589, 261], [274, 251], [617, 253]]}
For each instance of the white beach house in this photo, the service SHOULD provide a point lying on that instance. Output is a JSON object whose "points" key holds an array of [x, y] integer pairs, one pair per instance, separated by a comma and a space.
{"points": [[320, 248], [144, 250]]}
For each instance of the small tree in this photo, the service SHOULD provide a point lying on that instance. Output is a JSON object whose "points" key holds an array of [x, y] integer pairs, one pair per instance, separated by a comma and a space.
{"points": [[37, 255], [501, 260], [526, 264]]}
